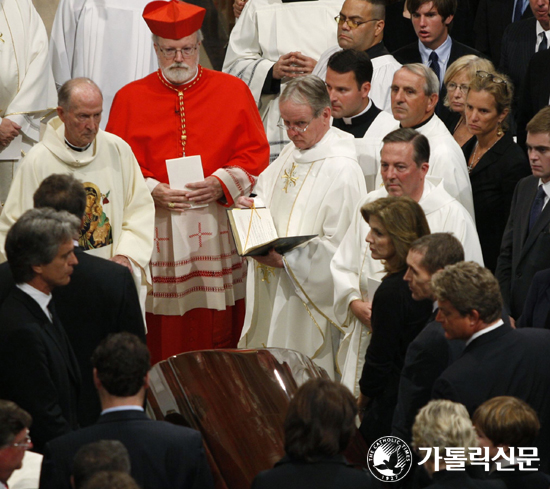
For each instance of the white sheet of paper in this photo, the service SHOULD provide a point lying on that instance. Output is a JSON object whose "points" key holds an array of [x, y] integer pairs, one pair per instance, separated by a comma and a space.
{"points": [[13, 151], [182, 171]]}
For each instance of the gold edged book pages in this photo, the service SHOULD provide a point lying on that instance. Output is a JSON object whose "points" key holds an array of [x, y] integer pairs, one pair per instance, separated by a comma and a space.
{"points": [[255, 234]]}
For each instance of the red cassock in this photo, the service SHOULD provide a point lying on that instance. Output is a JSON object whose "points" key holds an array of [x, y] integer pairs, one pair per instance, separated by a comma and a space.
{"points": [[197, 301]]}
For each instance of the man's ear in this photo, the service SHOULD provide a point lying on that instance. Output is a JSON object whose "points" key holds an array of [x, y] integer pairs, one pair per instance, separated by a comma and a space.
{"points": [[97, 382], [365, 89], [60, 113], [448, 20], [432, 102], [147, 380]]}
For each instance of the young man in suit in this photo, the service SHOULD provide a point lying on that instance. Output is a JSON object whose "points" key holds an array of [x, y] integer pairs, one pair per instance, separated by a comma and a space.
{"points": [[162, 455], [100, 299], [520, 42], [39, 370], [435, 48], [497, 360], [526, 239]]}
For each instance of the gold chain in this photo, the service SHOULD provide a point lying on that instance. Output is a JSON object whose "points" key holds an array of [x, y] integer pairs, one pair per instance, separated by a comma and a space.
{"points": [[180, 90]]}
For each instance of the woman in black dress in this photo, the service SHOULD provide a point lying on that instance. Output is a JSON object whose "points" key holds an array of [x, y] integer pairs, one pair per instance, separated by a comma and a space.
{"points": [[495, 162], [395, 223]]}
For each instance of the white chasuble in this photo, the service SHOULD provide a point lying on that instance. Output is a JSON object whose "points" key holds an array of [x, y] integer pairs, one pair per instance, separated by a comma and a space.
{"points": [[353, 264], [117, 221], [107, 41], [268, 29], [311, 191]]}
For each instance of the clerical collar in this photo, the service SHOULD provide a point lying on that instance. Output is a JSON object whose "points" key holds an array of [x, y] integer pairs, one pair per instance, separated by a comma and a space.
{"points": [[421, 124], [79, 149], [349, 120], [377, 50], [180, 84]]}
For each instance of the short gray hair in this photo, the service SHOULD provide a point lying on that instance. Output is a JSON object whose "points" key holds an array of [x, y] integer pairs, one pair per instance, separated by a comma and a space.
{"points": [[431, 83], [307, 90], [35, 240], [469, 287], [66, 90]]}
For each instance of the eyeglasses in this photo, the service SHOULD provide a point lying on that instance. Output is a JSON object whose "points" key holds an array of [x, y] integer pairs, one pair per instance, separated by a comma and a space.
{"points": [[298, 127], [25, 444], [170, 53], [493, 78], [452, 86], [352, 24]]}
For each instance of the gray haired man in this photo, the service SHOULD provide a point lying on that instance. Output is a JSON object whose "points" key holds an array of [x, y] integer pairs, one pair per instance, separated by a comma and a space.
{"points": [[39, 370]]}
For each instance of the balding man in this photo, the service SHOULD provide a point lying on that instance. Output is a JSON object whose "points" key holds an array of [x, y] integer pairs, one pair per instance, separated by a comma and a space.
{"points": [[119, 216]]}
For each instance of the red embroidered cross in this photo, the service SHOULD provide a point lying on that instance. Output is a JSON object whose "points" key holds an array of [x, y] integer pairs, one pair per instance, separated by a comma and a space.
{"points": [[157, 239], [226, 232], [200, 234]]}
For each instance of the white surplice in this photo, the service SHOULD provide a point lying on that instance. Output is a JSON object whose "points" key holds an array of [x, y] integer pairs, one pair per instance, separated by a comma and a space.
{"points": [[447, 162], [27, 90], [383, 69], [108, 42], [353, 264], [268, 29], [313, 191], [109, 165]]}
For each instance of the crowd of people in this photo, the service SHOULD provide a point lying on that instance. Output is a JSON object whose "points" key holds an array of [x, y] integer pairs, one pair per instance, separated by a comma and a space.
{"points": [[422, 177]]}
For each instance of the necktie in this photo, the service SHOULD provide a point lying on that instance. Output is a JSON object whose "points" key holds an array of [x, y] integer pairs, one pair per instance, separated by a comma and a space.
{"points": [[56, 325], [536, 208], [518, 11], [543, 42], [434, 64]]}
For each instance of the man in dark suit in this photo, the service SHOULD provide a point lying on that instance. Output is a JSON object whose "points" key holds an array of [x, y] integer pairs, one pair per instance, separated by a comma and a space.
{"points": [[492, 18], [162, 455], [497, 360], [100, 299], [430, 353], [536, 92], [435, 48], [39, 370], [520, 42], [536, 312], [526, 240]]}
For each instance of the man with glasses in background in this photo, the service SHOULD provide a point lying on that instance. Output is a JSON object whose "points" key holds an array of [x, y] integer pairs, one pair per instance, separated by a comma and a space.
{"points": [[197, 301], [361, 27], [311, 189], [14, 443]]}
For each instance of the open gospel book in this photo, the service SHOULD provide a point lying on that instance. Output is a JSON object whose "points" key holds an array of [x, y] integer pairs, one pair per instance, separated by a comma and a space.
{"points": [[255, 233]]}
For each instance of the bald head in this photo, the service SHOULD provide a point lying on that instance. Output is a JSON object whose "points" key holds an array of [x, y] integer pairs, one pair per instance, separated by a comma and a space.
{"points": [[80, 106]]}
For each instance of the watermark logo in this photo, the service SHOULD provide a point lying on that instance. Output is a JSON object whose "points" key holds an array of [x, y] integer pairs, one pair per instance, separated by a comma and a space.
{"points": [[389, 459]]}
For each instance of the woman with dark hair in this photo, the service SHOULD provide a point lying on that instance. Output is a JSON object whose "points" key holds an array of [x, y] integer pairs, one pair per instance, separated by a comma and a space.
{"points": [[395, 223], [319, 425], [495, 162]]}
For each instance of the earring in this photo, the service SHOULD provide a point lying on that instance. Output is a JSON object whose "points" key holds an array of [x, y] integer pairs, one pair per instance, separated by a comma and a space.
{"points": [[500, 132]]}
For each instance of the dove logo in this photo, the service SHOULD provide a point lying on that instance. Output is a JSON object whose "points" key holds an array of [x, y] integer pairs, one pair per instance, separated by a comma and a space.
{"points": [[389, 459]]}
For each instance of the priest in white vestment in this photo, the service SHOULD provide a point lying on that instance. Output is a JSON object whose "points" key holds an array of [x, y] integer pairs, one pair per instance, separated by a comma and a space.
{"points": [[108, 42], [415, 92], [27, 90], [312, 188], [119, 217], [405, 156], [273, 42], [361, 27]]}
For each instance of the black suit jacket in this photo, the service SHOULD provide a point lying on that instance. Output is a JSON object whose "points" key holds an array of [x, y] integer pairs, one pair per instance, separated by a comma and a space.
{"points": [[328, 473], [536, 92], [100, 299], [503, 362], [493, 180], [39, 371], [162, 455], [521, 479], [522, 254], [452, 479], [536, 313], [492, 18], [411, 54], [428, 355]]}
